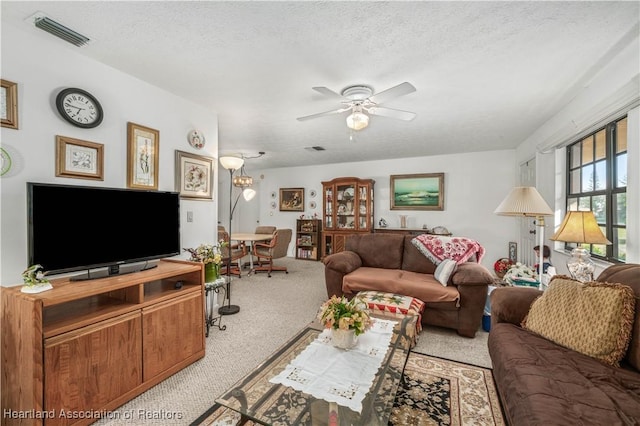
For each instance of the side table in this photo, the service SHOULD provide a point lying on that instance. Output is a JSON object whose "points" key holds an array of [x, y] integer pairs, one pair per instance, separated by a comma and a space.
{"points": [[210, 320]]}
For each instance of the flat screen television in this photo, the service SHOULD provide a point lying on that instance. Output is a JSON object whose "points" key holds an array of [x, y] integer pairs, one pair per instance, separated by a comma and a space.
{"points": [[73, 228]]}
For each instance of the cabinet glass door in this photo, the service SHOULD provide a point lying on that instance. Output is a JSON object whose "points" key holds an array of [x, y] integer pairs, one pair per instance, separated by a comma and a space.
{"points": [[363, 208], [346, 206], [328, 207]]}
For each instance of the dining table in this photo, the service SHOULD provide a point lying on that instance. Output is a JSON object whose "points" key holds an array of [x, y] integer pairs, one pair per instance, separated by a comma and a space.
{"points": [[250, 238]]}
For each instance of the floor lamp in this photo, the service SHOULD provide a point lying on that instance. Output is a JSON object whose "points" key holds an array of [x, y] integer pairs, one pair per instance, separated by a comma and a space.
{"points": [[526, 201], [232, 164]]}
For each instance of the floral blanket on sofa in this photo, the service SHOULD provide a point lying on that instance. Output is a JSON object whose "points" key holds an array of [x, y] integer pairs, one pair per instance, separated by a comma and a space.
{"points": [[437, 248]]}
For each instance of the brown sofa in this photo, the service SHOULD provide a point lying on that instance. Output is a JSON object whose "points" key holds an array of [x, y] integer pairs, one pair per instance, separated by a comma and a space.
{"points": [[391, 263], [542, 383]]}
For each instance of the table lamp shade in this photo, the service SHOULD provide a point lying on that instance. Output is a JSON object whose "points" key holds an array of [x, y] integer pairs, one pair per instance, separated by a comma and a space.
{"points": [[581, 228]]}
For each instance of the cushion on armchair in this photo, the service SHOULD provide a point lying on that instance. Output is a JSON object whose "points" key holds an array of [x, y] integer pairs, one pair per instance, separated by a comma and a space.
{"points": [[591, 318]]}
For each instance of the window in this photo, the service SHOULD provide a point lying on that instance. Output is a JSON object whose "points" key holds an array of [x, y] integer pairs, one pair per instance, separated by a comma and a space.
{"points": [[597, 181]]}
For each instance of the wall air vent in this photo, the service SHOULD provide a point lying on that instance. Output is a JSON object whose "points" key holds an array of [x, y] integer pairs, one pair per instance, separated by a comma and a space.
{"points": [[314, 148], [57, 29]]}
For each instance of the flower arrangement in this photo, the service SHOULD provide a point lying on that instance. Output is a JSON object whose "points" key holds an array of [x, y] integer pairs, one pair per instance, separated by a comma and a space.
{"points": [[34, 275], [502, 266], [519, 271], [341, 314], [211, 256], [207, 253]]}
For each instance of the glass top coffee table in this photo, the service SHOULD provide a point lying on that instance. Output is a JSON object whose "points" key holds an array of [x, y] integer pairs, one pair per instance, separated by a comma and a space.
{"points": [[258, 400]]}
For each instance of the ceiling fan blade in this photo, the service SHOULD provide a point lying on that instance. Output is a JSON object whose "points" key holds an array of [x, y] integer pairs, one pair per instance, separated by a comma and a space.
{"points": [[393, 92], [322, 114], [392, 113], [328, 92]]}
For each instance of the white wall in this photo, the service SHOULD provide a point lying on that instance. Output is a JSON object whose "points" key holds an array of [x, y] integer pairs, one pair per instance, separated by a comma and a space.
{"points": [[612, 92], [475, 183], [42, 66]]}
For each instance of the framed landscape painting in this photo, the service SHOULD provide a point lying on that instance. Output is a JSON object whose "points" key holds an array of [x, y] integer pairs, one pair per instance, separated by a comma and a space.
{"points": [[417, 192]]}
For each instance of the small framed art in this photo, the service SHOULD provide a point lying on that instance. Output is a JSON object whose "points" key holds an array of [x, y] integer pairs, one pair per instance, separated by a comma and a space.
{"points": [[194, 176], [513, 251], [79, 159], [291, 199], [9, 104], [143, 152], [417, 192]]}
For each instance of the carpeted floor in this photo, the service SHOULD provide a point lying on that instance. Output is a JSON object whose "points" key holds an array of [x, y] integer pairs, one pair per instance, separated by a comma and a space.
{"points": [[272, 310], [435, 391]]}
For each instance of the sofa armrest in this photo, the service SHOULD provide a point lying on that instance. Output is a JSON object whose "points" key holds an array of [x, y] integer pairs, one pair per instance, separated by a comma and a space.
{"points": [[343, 262], [336, 266], [511, 304], [471, 273]]}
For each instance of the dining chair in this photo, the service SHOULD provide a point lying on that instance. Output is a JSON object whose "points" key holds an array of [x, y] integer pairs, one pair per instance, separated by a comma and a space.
{"points": [[265, 229], [260, 229], [236, 251], [274, 249]]}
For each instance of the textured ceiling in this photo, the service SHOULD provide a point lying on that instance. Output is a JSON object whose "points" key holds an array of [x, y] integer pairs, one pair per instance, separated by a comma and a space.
{"points": [[487, 73]]}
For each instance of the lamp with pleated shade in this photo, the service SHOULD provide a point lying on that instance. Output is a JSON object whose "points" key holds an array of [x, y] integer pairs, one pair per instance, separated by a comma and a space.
{"points": [[526, 201]]}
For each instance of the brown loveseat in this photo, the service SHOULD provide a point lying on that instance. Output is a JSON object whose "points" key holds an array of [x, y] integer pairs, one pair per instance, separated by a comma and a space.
{"points": [[542, 383], [391, 263]]}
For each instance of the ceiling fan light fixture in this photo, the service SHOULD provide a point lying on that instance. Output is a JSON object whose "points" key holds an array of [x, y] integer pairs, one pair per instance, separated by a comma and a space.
{"points": [[357, 120]]}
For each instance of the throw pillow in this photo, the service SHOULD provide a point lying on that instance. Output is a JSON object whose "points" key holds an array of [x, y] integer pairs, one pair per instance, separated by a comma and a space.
{"points": [[444, 271], [591, 318]]}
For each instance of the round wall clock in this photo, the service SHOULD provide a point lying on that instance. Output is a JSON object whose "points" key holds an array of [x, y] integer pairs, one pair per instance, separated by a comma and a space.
{"points": [[79, 108], [196, 139]]}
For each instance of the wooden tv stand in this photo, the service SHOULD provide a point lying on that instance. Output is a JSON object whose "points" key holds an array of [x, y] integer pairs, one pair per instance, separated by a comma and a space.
{"points": [[85, 348]]}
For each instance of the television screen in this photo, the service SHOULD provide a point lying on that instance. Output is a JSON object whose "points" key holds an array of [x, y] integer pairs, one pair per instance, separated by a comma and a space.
{"points": [[72, 228]]}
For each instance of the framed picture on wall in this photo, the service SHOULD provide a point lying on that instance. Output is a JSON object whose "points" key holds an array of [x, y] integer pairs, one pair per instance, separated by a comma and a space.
{"points": [[417, 192], [291, 199], [143, 152], [79, 159], [513, 251], [9, 104], [194, 176]]}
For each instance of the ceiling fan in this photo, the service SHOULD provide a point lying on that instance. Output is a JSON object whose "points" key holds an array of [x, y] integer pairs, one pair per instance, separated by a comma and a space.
{"points": [[360, 99]]}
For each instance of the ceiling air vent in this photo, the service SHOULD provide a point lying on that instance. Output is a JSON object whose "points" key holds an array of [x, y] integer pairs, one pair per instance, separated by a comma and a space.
{"points": [[314, 148], [57, 29]]}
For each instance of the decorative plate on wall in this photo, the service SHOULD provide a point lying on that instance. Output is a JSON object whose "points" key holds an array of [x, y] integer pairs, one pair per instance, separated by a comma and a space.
{"points": [[5, 162], [312, 193], [196, 139], [312, 205]]}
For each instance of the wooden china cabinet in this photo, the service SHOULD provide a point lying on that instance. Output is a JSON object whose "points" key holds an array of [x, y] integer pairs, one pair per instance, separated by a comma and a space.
{"points": [[347, 210]]}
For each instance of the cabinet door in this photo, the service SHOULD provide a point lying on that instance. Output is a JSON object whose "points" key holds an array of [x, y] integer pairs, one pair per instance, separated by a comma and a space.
{"points": [[172, 332], [89, 367], [346, 206], [339, 242], [328, 202]]}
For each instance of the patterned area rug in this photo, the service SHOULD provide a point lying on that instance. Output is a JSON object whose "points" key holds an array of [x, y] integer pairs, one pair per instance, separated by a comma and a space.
{"points": [[435, 391]]}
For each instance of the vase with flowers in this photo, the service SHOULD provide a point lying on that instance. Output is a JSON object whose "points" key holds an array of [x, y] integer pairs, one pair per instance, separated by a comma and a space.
{"points": [[347, 319], [211, 256], [502, 266]]}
